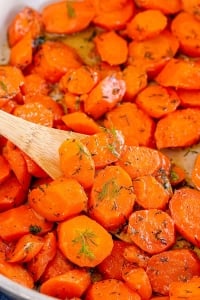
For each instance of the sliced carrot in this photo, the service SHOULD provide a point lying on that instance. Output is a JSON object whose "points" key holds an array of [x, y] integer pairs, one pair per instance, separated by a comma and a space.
{"points": [[26, 20], [157, 101], [189, 98], [35, 84], [21, 220], [112, 198], [186, 28], [79, 81], [150, 193], [146, 24], [110, 288], [177, 175], [73, 102], [81, 240], [33, 168], [67, 16], [152, 230], [9, 106], [11, 80], [136, 126], [58, 200], [105, 96], [172, 7], [113, 15], [178, 129], [4, 169], [80, 122], [106, 42], [186, 290], [184, 206], [135, 255], [54, 59], [195, 173], [104, 69], [105, 147], [137, 280], [192, 7], [73, 283], [169, 266]]}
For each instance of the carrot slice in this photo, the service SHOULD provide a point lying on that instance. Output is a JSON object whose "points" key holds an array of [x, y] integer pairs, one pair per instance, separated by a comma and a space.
{"points": [[112, 199], [73, 102], [184, 207], [71, 284], [189, 98], [135, 255], [152, 230], [136, 126], [35, 84], [4, 169], [58, 200], [169, 266], [195, 173], [146, 24], [172, 7], [33, 168], [192, 7], [185, 290], [67, 16], [178, 129], [11, 80], [81, 240]]}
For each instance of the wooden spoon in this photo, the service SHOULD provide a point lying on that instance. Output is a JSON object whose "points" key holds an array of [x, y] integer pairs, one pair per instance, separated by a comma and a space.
{"points": [[40, 143]]}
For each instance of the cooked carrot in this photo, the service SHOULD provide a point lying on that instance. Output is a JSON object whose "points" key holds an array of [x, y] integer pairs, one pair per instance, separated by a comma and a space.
{"points": [[110, 289], [180, 73], [26, 248], [80, 122], [33, 168], [21, 220], [157, 101], [35, 112], [9, 106], [67, 16], [137, 280], [35, 84], [195, 173], [106, 42], [105, 96], [58, 200], [184, 206], [104, 69], [177, 174], [26, 20], [188, 37], [21, 53], [135, 78], [136, 126], [172, 7], [105, 147], [79, 81], [152, 230], [54, 59], [186, 290], [112, 198], [162, 176], [113, 15], [172, 265], [146, 24], [73, 283], [189, 98], [153, 53], [192, 7], [11, 80], [76, 162], [150, 193], [4, 169], [81, 239], [178, 129], [73, 102], [135, 255]]}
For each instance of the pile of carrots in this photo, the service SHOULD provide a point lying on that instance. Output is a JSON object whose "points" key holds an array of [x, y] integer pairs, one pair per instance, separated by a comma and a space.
{"points": [[122, 222]]}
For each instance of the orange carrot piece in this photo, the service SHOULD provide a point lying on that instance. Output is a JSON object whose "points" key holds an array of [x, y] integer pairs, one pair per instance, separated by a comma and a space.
{"points": [[112, 198], [80, 122], [146, 24], [172, 7], [136, 256], [169, 266], [21, 220], [9, 106], [150, 193], [177, 175], [11, 80], [33, 168], [79, 81], [135, 78], [58, 200], [157, 101], [106, 42], [186, 290], [184, 206], [195, 173], [26, 20], [53, 60], [73, 283], [4, 169], [105, 147], [81, 240], [111, 288], [105, 96], [152, 230], [113, 15], [137, 280], [162, 298], [26, 248], [76, 162], [192, 7], [67, 17], [35, 84], [186, 28], [189, 98], [136, 126], [178, 129], [73, 102]]}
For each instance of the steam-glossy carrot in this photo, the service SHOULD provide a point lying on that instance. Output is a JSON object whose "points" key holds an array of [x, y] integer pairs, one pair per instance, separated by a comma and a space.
{"points": [[135, 255], [11, 80], [35, 84], [172, 7]]}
